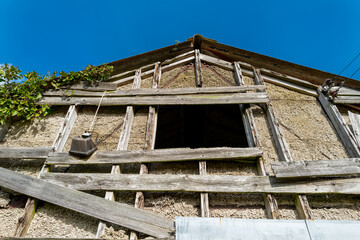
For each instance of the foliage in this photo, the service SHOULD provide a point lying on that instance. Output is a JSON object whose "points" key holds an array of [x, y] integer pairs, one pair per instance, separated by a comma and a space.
{"points": [[20, 99]]}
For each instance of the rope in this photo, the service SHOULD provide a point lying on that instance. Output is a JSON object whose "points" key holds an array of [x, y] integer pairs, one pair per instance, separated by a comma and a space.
{"points": [[93, 121]]}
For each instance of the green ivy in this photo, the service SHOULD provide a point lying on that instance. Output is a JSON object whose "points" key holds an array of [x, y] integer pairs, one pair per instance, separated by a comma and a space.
{"points": [[20, 99]]}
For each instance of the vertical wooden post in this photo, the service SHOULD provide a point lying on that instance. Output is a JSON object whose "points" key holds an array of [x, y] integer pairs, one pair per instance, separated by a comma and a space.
{"points": [[204, 197], [198, 75], [24, 221], [283, 150], [150, 136], [271, 206], [122, 145]]}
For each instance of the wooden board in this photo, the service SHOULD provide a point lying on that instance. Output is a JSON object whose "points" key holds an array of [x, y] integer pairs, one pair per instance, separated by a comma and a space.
{"points": [[355, 123], [87, 204], [65, 129], [322, 168], [200, 183], [340, 126], [158, 92], [199, 99], [122, 145], [98, 87], [158, 155], [24, 152], [347, 100]]}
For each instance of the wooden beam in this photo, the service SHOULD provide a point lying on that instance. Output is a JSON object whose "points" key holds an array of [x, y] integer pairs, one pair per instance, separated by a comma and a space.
{"points": [[96, 87], [158, 155], [150, 136], [290, 85], [198, 75], [24, 152], [272, 210], [152, 65], [280, 143], [355, 123], [122, 145], [151, 72], [279, 79], [87, 204], [201, 183], [216, 61], [199, 99], [347, 100], [24, 221], [340, 126], [158, 92], [338, 167], [282, 148], [65, 129]]}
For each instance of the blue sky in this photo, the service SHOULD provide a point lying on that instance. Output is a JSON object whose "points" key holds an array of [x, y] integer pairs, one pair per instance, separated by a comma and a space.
{"points": [[67, 35]]}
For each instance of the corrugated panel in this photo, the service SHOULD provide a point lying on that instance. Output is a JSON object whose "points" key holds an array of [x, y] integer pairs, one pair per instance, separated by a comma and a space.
{"points": [[190, 228], [333, 230]]}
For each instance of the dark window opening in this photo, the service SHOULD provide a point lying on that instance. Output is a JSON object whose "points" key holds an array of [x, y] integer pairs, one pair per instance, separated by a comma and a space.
{"points": [[200, 126]]}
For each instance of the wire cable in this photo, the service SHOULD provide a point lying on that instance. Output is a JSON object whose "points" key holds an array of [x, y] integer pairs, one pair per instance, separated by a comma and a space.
{"points": [[355, 72], [349, 64]]}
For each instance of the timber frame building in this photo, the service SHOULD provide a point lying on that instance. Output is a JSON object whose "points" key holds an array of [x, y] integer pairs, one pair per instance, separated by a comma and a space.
{"points": [[189, 135]]}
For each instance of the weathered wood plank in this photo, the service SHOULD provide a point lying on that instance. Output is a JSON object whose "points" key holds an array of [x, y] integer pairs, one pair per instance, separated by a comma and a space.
{"points": [[280, 143], [269, 76], [158, 92], [321, 168], [24, 221], [87, 204], [150, 135], [122, 145], [97, 87], [65, 129], [272, 210], [347, 100], [198, 75], [290, 85], [201, 183], [355, 122], [152, 65], [340, 126], [24, 152], [282, 148], [151, 72], [216, 61], [199, 99], [158, 155]]}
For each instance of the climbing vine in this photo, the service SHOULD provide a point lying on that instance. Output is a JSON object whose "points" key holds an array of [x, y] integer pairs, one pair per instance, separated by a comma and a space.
{"points": [[19, 93]]}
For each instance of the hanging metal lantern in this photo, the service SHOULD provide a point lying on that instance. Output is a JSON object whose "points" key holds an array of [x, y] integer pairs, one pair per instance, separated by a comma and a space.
{"points": [[83, 145]]}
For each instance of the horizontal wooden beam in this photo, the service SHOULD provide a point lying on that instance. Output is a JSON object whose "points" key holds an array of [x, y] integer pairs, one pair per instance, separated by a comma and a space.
{"points": [[200, 183], [334, 168], [24, 152], [91, 205], [198, 99], [157, 92], [96, 87], [347, 100], [158, 155], [290, 85]]}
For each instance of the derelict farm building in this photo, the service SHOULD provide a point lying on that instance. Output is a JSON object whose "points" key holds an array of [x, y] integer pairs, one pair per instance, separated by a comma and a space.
{"points": [[196, 129]]}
